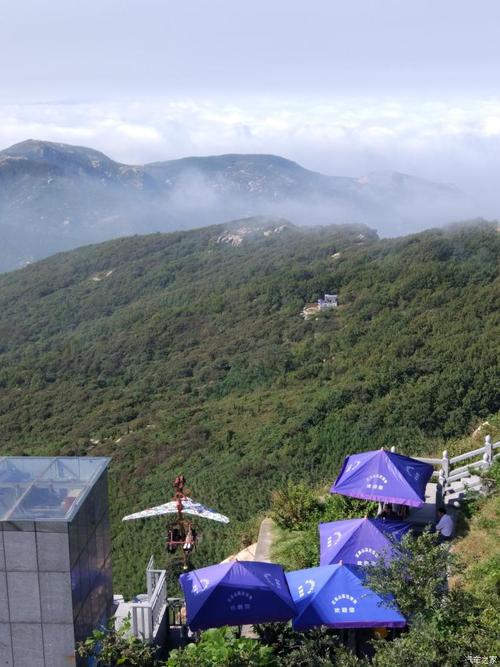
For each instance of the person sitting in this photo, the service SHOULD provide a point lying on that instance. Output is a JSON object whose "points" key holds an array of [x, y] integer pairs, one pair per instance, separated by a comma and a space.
{"points": [[386, 512], [401, 511], [188, 546], [189, 542], [444, 526]]}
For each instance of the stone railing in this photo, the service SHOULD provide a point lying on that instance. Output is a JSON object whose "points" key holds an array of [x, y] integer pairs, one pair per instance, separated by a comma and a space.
{"points": [[475, 461], [446, 470]]}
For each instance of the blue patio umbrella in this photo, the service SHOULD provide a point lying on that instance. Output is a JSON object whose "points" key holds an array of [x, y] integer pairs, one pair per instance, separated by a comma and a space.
{"points": [[384, 476], [336, 596], [359, 541], [236, 593]]}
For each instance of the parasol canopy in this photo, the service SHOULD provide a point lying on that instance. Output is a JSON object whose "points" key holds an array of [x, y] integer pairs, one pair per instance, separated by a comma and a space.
{"points": [[189, 506], [384, 476], [336, 596], [236, 593], [359, 541]]}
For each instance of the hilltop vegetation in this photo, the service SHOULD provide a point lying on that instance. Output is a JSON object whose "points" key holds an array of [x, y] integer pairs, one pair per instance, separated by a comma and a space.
{"points": [[178, 353]]}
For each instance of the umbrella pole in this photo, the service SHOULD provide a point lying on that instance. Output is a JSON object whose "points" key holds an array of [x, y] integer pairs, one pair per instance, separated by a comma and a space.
{"points": [[351, 640]]}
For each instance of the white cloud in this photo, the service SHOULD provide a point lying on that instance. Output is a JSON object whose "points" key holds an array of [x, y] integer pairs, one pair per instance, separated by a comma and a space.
{"points": [[139, 132], [491, 126], [455, 141]]}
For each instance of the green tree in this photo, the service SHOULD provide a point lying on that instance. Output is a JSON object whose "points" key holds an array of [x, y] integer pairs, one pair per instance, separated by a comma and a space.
{"points": [[445, 624], [222, 647], [442, 637], [417, 576], [110, 648], [316, 648], [294, 506]]}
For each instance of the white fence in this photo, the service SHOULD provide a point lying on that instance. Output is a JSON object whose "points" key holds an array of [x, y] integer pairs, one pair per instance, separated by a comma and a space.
{"points": [[152, 576], [448, 473], [148, 615]]}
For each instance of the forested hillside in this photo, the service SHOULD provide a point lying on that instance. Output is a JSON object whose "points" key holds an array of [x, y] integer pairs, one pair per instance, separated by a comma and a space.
{"points": [[181, 353]]}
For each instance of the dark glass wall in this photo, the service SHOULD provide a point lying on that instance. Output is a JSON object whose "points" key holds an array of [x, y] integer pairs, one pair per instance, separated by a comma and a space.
{"points": [[90, 561]]}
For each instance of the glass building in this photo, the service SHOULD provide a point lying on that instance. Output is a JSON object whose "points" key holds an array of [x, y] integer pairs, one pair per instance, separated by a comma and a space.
{"points": [[55, 557]]}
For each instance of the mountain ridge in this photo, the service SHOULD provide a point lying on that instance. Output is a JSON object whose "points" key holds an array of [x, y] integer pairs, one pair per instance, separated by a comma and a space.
{"points": [[56, 196]]}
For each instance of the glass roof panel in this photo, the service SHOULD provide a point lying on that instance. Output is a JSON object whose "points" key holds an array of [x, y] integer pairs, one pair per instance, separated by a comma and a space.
{"points": [[46, 488]]}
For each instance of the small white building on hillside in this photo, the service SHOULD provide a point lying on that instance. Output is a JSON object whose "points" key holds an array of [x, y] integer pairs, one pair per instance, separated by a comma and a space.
{"points": [[330, 301], [327, 303]]}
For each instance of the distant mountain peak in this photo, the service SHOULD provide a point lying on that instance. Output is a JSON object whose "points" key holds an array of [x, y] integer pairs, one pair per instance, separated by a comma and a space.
{"points": [[55, 196], [261, 159], [36, 149]]}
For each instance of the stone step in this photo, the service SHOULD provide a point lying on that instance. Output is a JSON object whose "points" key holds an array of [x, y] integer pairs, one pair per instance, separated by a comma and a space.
{"points": [[463, 483], [456, 492], [469, 481], [457, 475]]}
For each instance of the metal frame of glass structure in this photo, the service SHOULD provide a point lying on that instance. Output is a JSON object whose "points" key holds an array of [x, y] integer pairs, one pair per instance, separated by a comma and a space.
{"points": [[46, 488]]}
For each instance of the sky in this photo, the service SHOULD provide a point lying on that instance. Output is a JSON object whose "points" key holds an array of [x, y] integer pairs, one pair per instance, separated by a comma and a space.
{"points": [[344, 87]]}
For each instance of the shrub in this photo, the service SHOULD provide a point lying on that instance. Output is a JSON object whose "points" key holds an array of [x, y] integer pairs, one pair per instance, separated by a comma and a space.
{"points": [[297, 549], [316, 648], [445, 624], [109, 647], [294, 506], [417, 576], [222, 647], [493, 474], [338, 508]]}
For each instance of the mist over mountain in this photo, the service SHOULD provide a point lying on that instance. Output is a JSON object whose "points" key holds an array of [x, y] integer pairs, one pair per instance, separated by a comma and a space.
{"points": [[55, 197]]}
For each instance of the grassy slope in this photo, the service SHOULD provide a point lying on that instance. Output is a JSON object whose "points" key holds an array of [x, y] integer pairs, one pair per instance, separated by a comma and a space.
{"points": [[480, 547], [478, 543], [191, 356]]}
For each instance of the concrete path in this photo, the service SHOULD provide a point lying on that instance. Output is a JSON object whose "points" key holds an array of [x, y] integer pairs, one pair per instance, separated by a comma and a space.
{"points": [[265, 541], [263, 555], [123, 609], [245, 554], [427, 513]]}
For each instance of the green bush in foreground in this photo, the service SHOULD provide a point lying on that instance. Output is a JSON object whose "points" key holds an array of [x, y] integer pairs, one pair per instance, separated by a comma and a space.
{"points": [[223, 648], [294, 506], [297, 510], [445, 623], [320, 647], [110, 648]]}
